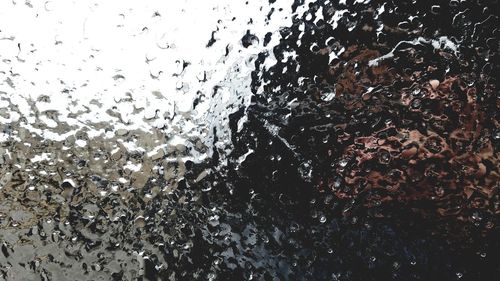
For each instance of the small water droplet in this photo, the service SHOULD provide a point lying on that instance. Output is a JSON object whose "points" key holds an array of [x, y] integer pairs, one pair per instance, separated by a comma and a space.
{"points": [[436, 9], [416, 104], [384, 157], [211, 276]]}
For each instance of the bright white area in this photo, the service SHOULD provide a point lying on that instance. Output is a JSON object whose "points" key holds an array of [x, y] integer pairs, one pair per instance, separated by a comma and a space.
{"points": [[121, 62]]}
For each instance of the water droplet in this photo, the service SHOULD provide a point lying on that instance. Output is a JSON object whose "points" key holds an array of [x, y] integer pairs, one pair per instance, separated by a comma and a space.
{"points": [[343, 163], [436, 9], [249, 39], [434, 84], [211, 276], [416, 103], [384, 157], [314, 48], [140, 221]]}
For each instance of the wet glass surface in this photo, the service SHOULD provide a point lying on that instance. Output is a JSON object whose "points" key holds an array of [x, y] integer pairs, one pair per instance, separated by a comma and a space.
{"points": [[249, 140]]}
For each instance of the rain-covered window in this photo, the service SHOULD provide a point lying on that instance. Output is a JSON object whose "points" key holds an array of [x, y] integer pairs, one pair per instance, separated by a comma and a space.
{"points": [[249, 140]]}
